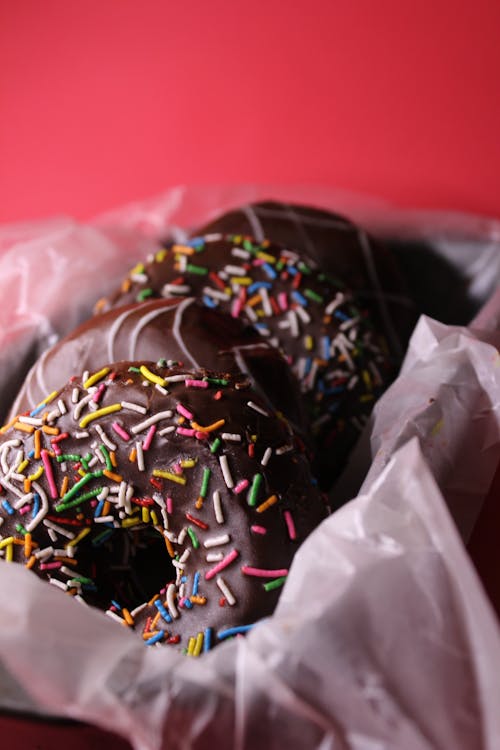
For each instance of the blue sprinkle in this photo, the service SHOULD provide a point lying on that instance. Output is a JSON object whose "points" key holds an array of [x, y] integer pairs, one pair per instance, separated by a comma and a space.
{"points": [[36, 505], [184, 579], [37, 410], [196, 242], [163, 612], [326, 347], [115, 604], [155, 638], [8, 507], [209, 301], [105, 536], [259, 285], [298, 297], [31, 454], [99, 507], [207, 640], [307, 368], [188, 604], [291, 269], [233, 631], [270, 271], [89, 587], [196, 583], [340, 315]]}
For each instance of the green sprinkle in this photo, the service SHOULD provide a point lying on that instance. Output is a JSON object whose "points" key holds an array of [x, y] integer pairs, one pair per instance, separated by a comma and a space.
{"points": [[303, 268], [20, 529], [204, 482], [76, 487], [249, 246], [133, 369], [280, 265], [68, 457], [254, 489], [82, 579], [193, 537], [274, 584], [80, 499], [218, 381], [144, 294], [85, 461], [106, 456], [215, 445], [313, 295], [200, 270], [101, 537]]}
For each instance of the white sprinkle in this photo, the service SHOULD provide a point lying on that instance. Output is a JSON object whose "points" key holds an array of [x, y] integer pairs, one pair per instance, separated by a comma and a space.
{"points": [[115, 617], [303, 315], [219, 515], [166, 430], [294, 324], [134, 407], [139, 278], [267, 455], [226, 591], [79, 407], [30, 420], [352, 382], [74, 395], [128, 498], [58, 529], [93, 461], [43, 554], [68, 572], [336, 302], [177, 378], [85, 376], [257, 408], [138, 609], [103, 495], [52, 415], [59, 584], [161, 389], [238, 252], [266, 304], [62, 406], [231, 436], [251, 313], [180, 289], [52, 534], [217, 541], [284, 449], [121, 494], [104, 519], [183, 558], [182, 536], [348, 324], [226, 473], [214, 556], [140, 456], [216, 293], [152, 420], [81, 434], [235, 270], [171, 601], [23, 500]]}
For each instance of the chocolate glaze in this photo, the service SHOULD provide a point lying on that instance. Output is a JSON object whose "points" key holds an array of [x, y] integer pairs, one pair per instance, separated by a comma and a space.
{"points": [[337, 245], [178, 330], [54, 488], [331, 336]]}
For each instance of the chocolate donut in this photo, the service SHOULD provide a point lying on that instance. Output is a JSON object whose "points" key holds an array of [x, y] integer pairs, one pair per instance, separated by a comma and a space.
{"points": [[175, 330], [330, 337], [172, 499], [338, 246]]}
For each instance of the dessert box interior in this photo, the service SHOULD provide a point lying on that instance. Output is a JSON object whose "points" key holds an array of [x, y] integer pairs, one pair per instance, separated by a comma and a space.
{"points": [[384, 635]]}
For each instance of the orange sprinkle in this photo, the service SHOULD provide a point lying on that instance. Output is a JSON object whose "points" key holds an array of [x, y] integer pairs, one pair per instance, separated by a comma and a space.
{"points": [[111, 475], [9, 424], [126, 284], [112, 456], [30, 562], [66, 560], [153, 599], [255, 300], [198, 599], [169, 547], [208, 428], [199, 503], [132, 455], [267, 504], [51, 430], [128, 617], [154, 621], [183, 250], [64, 486], [149, 634], [27, 485], [38, 443], [24, 427], [106, 508]]}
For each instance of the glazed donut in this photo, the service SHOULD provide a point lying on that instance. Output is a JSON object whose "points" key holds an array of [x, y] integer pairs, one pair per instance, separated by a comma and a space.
{"points": [[332, 340], [172, 499], [176, 330], [338, 246]]}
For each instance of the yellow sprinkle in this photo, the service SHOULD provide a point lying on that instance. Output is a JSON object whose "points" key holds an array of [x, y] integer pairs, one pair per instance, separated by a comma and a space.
{"points": [[367, 379], [188, 463], [78, 538], [145, 514], [36, 474], [22, 466], [266, 257], [154, 518], [151, 376], [169, 475], [366, 397], [241, 280], [160, 256], [191, 646], [130, 522], [437, 428], [309, 343], [139, 268], [208, 428], [198, 644], [82, 472], [111, 475], [128, 617], [5, 542], [9, 553], [99, 413], [96, 377], [49, 398], [24, 427], [267, 504]]}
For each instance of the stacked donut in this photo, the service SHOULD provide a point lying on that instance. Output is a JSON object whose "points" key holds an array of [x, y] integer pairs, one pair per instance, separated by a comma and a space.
{"points": [[157, 462]]}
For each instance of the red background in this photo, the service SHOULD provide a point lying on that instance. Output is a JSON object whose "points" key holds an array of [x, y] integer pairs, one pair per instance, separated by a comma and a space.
{"points": [[104, 102]]}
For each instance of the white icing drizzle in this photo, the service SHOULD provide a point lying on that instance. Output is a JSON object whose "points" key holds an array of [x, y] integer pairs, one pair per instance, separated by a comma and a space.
{"points": [[143, 321], [177, 334]]}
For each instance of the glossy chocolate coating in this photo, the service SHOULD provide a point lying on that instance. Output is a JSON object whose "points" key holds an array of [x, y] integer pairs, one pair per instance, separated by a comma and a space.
{"points": [[338, 246], [331, 337], [178, 330], [135, 453]]}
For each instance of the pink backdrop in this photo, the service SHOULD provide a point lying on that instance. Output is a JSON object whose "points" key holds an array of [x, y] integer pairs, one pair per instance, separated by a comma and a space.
{"points": [[104, 102]]}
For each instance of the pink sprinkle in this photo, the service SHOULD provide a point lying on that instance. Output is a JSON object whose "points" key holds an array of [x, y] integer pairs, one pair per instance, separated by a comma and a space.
{"points": [[182, 601], [24, 509], [48, 472], [93, 503], [258, 262], [58, 438], [170, 505], [258, 529], [236, 308], [283, 301], [185, 431], [201, 435], [120, 431], [196, 383], [241, 486], [149, 437], [227, 560], [97, 395], [290, 525], [185, 412], [261, 573], [56, 450], [50, 566], [177, 468]]}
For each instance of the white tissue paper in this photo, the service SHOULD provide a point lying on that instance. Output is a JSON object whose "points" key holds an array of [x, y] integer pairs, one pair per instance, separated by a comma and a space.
{"points": [[383, 637]]}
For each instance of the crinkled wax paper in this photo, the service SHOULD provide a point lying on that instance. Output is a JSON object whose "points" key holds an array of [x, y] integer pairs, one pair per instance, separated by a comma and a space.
{"points": [[383, 637]]}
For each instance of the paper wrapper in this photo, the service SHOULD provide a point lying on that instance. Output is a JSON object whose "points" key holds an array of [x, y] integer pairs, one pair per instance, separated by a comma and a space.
{"points": [[383, 637]]}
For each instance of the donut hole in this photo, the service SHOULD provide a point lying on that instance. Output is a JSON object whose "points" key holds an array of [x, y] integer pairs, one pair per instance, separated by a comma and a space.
{"points": [[129, 568]]}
